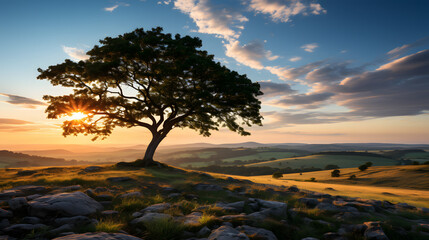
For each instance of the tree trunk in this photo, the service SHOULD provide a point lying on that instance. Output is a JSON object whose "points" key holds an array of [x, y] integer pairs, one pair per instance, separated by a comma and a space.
{"points": [[151, 148]]}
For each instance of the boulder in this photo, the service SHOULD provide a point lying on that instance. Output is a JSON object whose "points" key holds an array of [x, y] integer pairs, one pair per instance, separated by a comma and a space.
{"points": [[160, 207], [18, 203], [64, 204], [109, 213], [192, 219], [8, 194], [131, 195], [150, 217], [207, 187], [204, 231], [271, 208], [98, 236], [74, 221], [257, 233], [22, 229], [374, 231], [31, 189], [309, 202], [5, 213], [327, 207], [227, 233], [4, 223], [31, 220], [235, 206]]}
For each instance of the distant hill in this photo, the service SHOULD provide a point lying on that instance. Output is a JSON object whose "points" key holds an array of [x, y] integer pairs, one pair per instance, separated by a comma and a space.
{"points": [[13, 159], [320, 160]]}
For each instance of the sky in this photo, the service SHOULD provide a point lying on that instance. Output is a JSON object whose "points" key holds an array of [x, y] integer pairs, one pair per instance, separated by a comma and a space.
{"points": [[331, 71]]}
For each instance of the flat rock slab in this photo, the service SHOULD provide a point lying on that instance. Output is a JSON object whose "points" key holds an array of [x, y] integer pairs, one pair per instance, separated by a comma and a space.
{"points": [[227, 233], [64, 204], [98, 236]]}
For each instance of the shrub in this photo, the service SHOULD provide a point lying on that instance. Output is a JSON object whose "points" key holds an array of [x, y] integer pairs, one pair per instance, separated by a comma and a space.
{"points": [[109, 226], [312, 179], [369, 164], [335, 173], [363, 167], [331, 166], [352, 177], [163, 229], [277, 175]]}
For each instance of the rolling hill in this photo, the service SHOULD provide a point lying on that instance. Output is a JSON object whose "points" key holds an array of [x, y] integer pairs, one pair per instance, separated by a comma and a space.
{"points": [[320, 160]]}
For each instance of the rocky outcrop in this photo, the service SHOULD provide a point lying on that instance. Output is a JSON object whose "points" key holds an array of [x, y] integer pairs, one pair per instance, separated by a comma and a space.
{"points": [[98, 236], [64, 204]]}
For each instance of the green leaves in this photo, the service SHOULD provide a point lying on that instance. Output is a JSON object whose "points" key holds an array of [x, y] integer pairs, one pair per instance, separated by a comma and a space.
{"points": [[153, 80]]}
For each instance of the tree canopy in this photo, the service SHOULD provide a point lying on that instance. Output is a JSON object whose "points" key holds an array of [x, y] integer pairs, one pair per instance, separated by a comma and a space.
{"points": [[153, 80]]}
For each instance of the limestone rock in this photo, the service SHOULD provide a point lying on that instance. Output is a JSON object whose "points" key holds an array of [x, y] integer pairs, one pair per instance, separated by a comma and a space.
{"points": [[227, 233], [98, 236], [64, 204]]}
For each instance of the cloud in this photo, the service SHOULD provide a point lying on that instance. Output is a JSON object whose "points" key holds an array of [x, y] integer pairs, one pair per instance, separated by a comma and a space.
{"points": [[396, 52], [287, 118], [398, 88], [272, 89], [210, 19], [308, 100], [310, 47], [22, 101], [16, 125], [76, 53], [249, 54], [283, 10], [333, 72], [295, 59], [111, 9], [10, 121], [286, 73]]}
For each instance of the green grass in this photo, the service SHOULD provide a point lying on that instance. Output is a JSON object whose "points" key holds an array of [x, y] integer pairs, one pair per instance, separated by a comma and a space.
{"points": [[109, 226], [163, 229], [320, 161]]}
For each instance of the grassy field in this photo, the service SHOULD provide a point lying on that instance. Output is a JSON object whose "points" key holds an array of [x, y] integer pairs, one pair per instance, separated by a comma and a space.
{"points": [[418, 156], [320, 161], [262, 156], [397, 184]]}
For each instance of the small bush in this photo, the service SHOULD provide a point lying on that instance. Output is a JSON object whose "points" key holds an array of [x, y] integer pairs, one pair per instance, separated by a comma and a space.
{"points": [[312, 179], [335, 173], [363, 167], [352, 177], [416, 163], [109, 226], [369, 164], [163, 229], [331, 167], [277, 175], [207, 220]]}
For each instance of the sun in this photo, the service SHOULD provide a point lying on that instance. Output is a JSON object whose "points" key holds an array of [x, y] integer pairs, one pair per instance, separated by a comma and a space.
{"points": [[76, 116]]}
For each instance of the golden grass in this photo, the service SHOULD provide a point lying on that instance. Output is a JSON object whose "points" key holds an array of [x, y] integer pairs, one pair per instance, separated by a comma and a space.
{"points": [[394, 175]]}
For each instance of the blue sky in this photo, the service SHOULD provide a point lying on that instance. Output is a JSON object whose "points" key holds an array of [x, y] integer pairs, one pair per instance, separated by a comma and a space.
{"points": [[332, 71]]}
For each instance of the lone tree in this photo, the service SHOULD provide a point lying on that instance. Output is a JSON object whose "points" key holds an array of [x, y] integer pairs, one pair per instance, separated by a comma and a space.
{"points": [[152, 80]]}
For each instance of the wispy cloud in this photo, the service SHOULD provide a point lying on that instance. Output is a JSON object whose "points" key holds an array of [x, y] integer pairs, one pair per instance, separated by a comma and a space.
{"points": [[280, 10], [310, 47], [111, 9], [250, 54], [295, 59], [213, 19], [22, 101], [76, 53]]}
